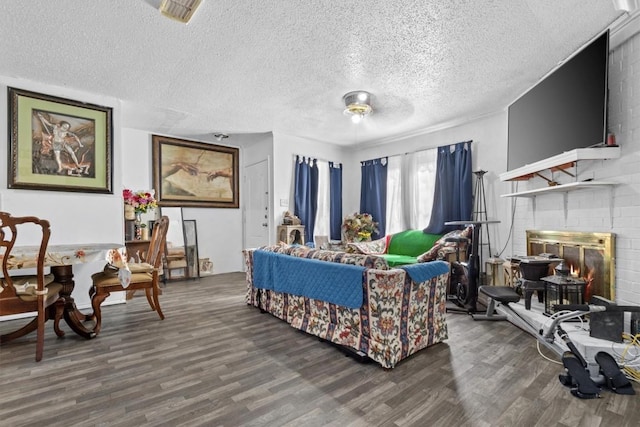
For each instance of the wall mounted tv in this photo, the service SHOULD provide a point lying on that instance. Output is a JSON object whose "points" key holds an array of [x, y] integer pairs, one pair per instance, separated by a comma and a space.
{"points": [[564, 111]]}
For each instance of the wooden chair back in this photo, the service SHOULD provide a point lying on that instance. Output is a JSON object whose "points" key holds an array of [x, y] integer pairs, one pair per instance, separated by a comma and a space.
{"points": [[144, 276], [158, 242], [10, 302], [26, 294]]}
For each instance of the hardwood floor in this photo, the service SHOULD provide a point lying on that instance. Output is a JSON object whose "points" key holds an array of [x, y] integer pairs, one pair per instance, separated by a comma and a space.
{"points": [[215, 361]]}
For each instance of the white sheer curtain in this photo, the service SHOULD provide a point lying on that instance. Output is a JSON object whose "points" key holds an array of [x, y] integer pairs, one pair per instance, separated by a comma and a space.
{"points": [[395, 214], [411, 181], [322, 216]]}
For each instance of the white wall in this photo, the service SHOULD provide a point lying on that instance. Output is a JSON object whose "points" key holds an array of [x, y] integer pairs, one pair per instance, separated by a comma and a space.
{"points": [[219, 230], [77, 217], [98, 218], [257, 148], [74, 216], [593, 210], [66, 211]]}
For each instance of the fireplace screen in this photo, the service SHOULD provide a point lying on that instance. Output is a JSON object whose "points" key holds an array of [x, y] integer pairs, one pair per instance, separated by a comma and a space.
{"points": [[590, 257]]}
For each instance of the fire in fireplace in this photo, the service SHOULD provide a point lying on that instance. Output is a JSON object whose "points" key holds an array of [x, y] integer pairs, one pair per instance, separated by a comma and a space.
{"points": [[590, 257]]}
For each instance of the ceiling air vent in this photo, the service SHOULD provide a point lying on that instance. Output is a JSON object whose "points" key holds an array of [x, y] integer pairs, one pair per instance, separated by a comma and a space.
{"points": [[180, 10]]}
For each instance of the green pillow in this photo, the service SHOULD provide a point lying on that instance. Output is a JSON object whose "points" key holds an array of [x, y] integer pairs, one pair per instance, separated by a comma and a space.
{"points": [[412, 242]]}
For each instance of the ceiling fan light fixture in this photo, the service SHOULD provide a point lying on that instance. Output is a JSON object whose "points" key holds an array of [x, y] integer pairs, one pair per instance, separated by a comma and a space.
{"points": [[180, 10], [358, 105], [628, 6]]}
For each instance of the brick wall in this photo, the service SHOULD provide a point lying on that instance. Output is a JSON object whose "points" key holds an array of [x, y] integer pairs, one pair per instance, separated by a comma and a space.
{"points": [[600, 210]]}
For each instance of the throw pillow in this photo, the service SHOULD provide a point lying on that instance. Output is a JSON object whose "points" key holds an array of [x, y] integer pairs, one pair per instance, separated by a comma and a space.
{"points": [[466, 233], [375, 247], [441, 247], [431, 254]]}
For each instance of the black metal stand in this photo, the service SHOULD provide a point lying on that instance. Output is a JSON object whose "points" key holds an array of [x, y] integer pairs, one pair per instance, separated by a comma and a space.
{"points": [[474, 261], [480, 214]]}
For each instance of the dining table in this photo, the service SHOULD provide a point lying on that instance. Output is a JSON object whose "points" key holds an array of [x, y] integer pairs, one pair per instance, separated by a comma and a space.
{"points": [[61, 259]]}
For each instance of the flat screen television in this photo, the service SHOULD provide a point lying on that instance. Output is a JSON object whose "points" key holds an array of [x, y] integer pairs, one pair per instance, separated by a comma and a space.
{"points": [[564, 111]]}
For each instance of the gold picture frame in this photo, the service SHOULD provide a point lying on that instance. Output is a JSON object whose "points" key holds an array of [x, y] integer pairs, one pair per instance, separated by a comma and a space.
{"points": [[58, 144], [195, 174]]}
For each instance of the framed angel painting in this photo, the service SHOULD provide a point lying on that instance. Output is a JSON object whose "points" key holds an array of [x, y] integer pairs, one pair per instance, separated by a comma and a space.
{"points": [[195, 174], [59, 144]]}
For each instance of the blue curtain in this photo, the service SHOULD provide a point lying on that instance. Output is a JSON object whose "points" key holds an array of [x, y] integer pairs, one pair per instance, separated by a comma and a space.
{"points": [[453, 200], [335, 200], [373, 192], [306, 194]]}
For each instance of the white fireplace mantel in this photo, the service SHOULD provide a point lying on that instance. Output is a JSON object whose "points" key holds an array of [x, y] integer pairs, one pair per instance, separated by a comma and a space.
{"points": [[560, 163]]}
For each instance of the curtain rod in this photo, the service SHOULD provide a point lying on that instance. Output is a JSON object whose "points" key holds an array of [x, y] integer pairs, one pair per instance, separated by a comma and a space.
{"points": [[316, 158], [435, 148], [423, 149]]}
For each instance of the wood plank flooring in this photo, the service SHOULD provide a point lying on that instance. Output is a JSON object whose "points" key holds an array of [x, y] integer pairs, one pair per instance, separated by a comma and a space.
{"points": [[215, 361]]}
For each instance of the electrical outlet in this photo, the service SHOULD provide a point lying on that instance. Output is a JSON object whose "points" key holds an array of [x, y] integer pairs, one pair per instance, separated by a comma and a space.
{"points": [[284, 203]]}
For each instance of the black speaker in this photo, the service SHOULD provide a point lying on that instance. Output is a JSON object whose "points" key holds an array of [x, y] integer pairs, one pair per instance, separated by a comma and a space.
{"points": [[606, 325]]}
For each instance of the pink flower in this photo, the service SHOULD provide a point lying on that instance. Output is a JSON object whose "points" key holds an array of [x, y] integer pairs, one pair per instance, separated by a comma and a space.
{"points": [[142, 201]]}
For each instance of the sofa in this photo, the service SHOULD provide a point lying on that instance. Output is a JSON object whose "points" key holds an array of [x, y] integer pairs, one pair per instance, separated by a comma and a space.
{"points": [[390, 314], [413, 246]]}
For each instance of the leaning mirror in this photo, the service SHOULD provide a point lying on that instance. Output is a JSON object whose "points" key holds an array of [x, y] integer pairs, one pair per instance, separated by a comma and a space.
{"points": [[191, 247], [175, 266]]}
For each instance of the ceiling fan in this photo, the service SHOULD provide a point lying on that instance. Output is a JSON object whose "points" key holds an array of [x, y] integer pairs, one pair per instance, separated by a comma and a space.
{"points": [[180, 10]]}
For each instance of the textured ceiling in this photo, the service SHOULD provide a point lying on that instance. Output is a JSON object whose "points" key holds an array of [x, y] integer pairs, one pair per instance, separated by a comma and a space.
{"points": [[283, 65]]}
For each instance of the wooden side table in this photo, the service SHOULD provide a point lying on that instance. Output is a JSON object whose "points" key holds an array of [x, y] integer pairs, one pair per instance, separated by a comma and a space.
{"points": [[291, 234], [492, 268], [511, 273]]}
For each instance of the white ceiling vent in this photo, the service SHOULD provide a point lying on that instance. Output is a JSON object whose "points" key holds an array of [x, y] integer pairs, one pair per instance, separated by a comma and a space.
{"points": [[180, 10]]}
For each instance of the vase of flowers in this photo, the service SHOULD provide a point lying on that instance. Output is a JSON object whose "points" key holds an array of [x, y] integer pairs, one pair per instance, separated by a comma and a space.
{"points": [[140, 201], [135, 204], [358, 227]]}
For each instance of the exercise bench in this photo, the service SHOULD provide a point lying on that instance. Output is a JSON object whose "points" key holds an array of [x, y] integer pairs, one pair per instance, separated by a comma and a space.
{"points": [[502, 294]]}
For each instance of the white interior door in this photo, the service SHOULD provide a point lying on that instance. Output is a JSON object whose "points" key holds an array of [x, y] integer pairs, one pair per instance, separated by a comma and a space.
{"points": [[256, 190]]}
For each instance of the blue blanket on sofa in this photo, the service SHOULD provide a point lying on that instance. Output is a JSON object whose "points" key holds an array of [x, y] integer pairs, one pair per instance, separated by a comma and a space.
{"points": [[340, 284], [423, 271]]}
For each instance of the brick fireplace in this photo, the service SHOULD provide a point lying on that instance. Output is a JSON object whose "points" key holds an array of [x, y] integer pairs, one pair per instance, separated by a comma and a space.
{"points": [[590, 256]]}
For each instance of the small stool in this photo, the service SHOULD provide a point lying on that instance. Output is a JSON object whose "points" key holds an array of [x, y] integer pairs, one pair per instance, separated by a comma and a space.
{"points": [[511, 273], [532, 273], [531, 286]]}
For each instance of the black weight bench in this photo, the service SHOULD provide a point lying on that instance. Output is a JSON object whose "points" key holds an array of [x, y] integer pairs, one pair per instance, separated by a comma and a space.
{"points": [[502, 294]]}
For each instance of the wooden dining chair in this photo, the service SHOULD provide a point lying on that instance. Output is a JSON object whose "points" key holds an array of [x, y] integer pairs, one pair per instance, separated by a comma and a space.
{"points": [[144, 275], [36, 293], [175, 259]]}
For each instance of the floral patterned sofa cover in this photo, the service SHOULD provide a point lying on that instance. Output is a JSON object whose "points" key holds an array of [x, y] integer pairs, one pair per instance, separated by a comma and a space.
{"points": [[398, 315]]}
